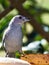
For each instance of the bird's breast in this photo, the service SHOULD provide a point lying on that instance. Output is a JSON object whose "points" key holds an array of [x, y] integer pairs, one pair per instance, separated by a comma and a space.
{"points": [[14, 35]]}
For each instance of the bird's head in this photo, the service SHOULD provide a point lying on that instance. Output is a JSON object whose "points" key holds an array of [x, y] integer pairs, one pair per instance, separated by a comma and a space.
{"points": [[19, 19]]}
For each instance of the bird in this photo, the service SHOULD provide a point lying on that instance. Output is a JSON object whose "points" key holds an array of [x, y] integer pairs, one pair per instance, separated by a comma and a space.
{"points": [[12, 36]]}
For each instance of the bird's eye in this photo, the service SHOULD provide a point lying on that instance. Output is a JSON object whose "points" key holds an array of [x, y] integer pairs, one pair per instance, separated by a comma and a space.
{"points": [[20, 17]]}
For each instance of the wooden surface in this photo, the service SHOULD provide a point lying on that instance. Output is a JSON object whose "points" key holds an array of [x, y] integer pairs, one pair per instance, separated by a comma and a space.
{"points": [[37, 59]]}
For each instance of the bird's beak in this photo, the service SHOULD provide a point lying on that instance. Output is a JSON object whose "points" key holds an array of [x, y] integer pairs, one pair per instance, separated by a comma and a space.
{"points": [[25, 19]]}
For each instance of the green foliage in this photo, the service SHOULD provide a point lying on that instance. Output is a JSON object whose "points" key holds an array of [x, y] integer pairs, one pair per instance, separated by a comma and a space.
{"points": [[28, 4], [45, 18], [17, 54], [5, 3], [38, 37], [1, 8], [1, 1], [4, 22]]}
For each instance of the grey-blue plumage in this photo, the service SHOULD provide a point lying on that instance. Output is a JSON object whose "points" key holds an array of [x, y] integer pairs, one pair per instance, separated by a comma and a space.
{"points": [[12, 37]]}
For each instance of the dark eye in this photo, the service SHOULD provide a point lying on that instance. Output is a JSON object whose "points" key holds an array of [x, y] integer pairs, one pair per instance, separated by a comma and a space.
{"points": [[20, 17]]}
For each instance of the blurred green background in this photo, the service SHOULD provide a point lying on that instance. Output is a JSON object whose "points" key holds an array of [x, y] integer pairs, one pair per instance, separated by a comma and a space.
{"points": [[32, 41]]}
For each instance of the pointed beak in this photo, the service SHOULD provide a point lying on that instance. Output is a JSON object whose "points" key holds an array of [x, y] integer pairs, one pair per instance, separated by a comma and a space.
{"points": [[26, 19]]}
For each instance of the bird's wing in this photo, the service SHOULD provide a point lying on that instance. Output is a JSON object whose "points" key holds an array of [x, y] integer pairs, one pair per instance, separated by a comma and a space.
{"points": [[4, 36], [3, 42]]}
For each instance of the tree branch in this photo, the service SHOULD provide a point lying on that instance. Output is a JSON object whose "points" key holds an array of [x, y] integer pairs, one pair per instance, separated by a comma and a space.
{"points": [[6, 12], [42, 10]]}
